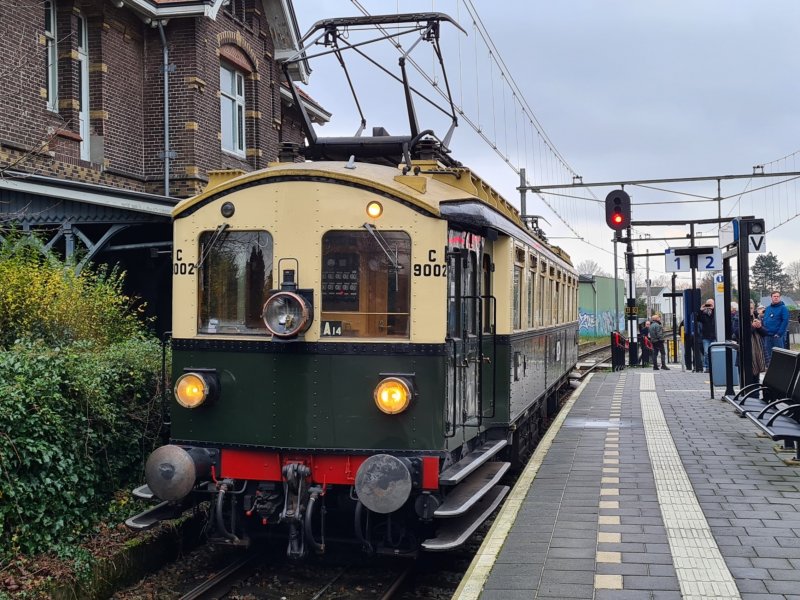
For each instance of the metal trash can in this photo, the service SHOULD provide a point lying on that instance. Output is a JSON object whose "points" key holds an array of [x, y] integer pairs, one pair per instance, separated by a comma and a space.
{"points": [[618, 344], [718, 370]]}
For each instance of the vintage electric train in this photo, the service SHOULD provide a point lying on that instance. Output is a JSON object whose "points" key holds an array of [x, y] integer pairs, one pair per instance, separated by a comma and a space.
{"points": [[358, 346]]}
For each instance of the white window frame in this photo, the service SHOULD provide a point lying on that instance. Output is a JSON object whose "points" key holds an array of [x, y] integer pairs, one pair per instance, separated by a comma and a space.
{"points": [[83, 91], [51, 55], [235, 140]]}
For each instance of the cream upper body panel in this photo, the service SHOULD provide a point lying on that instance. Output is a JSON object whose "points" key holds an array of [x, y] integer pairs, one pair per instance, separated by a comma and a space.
{"points": [[297, 203], [297, 214]]}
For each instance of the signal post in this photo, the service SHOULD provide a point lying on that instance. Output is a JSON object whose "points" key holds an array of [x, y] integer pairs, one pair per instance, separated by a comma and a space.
{"points": [[618, 218]]}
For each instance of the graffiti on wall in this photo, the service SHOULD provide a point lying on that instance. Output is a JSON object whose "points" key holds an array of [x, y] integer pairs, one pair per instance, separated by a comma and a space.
{"points": [[602, 324]]}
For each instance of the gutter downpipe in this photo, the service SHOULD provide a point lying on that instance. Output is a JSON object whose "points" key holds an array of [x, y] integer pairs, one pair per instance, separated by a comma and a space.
{"points": [[166, 70]]}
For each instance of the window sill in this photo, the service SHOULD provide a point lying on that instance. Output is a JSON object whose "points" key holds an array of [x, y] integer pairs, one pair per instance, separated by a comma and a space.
{"points": [[232, 154]]}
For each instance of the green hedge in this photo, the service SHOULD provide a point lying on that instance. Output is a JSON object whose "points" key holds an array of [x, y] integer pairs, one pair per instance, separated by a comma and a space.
{"points": [[79, 406], [75, 425]]}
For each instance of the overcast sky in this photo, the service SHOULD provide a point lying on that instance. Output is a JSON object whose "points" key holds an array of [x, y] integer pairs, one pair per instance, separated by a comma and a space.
{"points": [[625, 90]]}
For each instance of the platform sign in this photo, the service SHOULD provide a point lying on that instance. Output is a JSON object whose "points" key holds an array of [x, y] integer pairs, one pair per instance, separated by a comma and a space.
{"points": [[728, 233], [757, 243], [711, 261], [674, 263]]}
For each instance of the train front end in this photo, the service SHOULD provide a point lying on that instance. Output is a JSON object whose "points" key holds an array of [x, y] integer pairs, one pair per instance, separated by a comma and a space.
{"points": [[308, 358]]}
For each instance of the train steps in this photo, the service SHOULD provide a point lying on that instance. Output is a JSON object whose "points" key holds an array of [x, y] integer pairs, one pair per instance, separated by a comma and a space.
{"points": [[451, 533], [458, 472], [471, 490]]}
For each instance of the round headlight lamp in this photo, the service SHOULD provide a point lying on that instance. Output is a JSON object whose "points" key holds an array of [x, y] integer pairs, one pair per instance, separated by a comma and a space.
{"points": [[286, 314], [393, 395], [194, 389]]}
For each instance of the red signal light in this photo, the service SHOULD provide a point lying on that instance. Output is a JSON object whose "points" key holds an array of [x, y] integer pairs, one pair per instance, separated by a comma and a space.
{"points": [[618, 210]]}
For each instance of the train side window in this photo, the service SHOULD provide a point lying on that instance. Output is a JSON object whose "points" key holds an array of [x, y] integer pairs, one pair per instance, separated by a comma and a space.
{"points": [[488, 324], [540, 315], [365, 289], [234, 279]]}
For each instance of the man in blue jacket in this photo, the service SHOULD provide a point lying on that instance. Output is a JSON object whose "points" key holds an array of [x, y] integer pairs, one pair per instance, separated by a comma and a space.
{"points": [[774, 324]]}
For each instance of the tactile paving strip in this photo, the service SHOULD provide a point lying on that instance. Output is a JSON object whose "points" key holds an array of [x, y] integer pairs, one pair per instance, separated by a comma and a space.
{"points": [[701, 570]]}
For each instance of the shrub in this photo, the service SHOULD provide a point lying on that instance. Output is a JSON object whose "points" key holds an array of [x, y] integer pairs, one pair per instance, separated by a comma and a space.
{"points": [[78, 389], [41, 297], [75, 424]]}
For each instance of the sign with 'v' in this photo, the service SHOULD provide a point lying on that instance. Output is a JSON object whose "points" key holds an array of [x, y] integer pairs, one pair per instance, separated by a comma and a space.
{"points": [[757, 243]]}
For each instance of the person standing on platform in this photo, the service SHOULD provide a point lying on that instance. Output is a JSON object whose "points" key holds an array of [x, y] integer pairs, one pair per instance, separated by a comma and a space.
{"points": [[708, 329], [756, 343], [644, 332], [774, 324], [735, 321], [657, 338]]}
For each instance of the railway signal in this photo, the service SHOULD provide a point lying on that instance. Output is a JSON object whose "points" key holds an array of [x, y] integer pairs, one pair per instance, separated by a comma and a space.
{"points": [[618, 210]]}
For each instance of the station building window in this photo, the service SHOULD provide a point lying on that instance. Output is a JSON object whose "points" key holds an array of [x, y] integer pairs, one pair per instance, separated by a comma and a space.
{"points": [[365, 285], [237, 9], [51, 55], [82, 36], [232, 109], [234, 281]]}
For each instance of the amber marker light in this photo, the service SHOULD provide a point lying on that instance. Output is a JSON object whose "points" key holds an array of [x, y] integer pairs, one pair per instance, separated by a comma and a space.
{"points": [[374, 209], [392, 395], [191, 390]]}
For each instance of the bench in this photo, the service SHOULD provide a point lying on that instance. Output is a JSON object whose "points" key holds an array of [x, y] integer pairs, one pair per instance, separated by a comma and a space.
{"points": [[780, 420], [779, 384]]}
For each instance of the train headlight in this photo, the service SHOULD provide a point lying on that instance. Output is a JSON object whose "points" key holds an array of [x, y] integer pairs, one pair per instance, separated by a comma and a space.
{"points": [[393, 395], [286, 314], [195, 389], [374, 209]]}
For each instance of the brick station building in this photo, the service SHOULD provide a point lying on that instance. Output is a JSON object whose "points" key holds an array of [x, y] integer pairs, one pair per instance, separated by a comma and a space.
{"points": [[111, 110]]}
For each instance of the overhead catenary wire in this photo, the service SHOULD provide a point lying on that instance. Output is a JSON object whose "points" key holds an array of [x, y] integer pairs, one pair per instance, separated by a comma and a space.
{"points": [[550, 159]]}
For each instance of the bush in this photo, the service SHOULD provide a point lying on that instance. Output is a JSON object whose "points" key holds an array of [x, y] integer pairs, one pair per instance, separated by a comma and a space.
{"points": [[78, 389], [43, 298], [75, 425]]}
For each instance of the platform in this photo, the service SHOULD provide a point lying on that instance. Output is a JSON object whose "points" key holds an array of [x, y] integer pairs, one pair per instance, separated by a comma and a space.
{"points": [[645, 488]]}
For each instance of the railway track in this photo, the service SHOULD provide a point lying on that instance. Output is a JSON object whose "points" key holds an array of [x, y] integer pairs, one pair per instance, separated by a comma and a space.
{"points": [[264, 574]]}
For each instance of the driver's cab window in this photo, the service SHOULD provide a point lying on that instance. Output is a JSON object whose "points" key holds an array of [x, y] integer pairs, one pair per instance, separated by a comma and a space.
{"points": [[365, 284], [234, 281]]}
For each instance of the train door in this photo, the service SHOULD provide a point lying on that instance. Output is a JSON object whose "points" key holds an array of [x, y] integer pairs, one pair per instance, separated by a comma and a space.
{"points": [[464, 327]]}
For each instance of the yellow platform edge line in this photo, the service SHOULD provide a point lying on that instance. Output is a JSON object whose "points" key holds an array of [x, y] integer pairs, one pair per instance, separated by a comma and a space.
{"points": [[475, 578]]}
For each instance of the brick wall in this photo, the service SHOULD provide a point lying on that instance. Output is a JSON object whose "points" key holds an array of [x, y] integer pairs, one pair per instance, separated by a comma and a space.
{"points": [[126, 95]]}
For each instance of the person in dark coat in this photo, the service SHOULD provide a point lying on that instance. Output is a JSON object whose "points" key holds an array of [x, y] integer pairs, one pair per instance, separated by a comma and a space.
{"points": [[708, 329], [657, 338], [756, 342], [644, 331], [735, 321]]}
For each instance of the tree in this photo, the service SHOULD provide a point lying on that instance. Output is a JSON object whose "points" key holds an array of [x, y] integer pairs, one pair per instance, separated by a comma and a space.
{"points": [[793, 273], [590, 267], [767, 274], [707, 286]]}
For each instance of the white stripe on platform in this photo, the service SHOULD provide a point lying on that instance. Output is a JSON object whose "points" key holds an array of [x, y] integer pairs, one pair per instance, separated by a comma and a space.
{"points": [[701, 570], [647, 381], [475, 578]]}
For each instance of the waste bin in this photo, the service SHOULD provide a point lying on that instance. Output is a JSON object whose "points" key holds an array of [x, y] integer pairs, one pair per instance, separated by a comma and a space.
{"points": [[718, 371], [618, 344]]}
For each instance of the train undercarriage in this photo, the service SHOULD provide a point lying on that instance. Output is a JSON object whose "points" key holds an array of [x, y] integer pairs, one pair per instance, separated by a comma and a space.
{"points": [[393, 505]]}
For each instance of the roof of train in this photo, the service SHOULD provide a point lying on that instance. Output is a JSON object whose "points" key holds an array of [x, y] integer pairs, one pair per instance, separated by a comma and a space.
{"points": [[428, 186]]}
